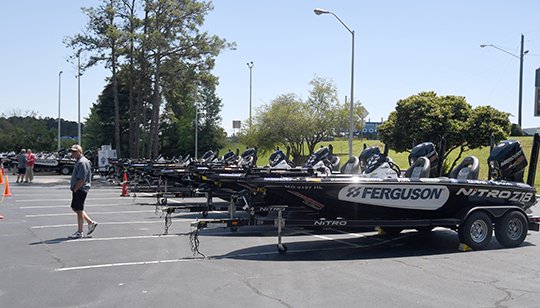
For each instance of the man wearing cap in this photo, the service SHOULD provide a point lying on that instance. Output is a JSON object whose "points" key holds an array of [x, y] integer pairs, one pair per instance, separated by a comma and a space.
{"points": [[80, 185]]}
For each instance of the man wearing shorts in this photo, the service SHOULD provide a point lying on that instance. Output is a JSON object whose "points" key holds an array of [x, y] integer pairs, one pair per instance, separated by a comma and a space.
{"points": [[80, 185], [21, 166]]}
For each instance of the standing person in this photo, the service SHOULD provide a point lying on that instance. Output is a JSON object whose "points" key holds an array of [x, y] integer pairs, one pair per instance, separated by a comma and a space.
{"points": [[80, 185], [30, 162], [21, 166]]}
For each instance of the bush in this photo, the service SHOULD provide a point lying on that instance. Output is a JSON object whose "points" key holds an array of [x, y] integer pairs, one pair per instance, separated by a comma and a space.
{"points": [[516, 130]]}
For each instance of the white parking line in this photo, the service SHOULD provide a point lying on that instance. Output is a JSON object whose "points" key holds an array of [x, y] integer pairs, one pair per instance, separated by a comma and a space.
{"points": [[137, 237], [124, 264], [67, 206], [69, 199], [93, 213], [100, 223], [97, 266]]}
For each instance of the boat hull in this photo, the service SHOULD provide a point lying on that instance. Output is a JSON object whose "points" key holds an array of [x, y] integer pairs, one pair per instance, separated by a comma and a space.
{"points": [[362, 198]]}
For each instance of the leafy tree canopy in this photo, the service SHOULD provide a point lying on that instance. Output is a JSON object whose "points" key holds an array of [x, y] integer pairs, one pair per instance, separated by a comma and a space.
{"points": [[449, 119]]}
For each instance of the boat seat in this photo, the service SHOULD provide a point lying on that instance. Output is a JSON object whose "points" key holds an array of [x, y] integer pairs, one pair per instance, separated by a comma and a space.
{"points": [[468, 169], [335, 161], [419, 169], [352, 166]]}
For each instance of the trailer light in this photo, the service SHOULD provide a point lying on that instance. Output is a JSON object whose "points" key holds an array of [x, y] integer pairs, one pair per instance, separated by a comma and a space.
{"points": [[534, 219]]}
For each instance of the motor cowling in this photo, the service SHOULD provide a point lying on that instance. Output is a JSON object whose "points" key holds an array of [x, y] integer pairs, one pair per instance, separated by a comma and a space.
{"points": [[507, 161], [318, 156], [230, 157], [370, 159], [427, 150]]}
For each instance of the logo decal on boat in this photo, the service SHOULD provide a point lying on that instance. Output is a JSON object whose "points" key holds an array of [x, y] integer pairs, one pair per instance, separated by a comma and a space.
{"points": [[515, 196], [422, 197]]}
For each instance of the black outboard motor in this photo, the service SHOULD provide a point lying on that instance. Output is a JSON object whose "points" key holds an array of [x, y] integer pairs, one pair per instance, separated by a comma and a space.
{"points": [[508, 161], [276, 158], [248, 158], [318, 156], [428, 150], [229, 158], [370, 159], [208, 156]]}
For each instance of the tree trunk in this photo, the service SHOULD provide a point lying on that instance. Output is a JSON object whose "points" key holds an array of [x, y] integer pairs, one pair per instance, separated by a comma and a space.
{"points": [[156, 98]]}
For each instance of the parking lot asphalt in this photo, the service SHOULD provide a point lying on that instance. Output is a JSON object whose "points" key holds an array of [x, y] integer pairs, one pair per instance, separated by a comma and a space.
{"points": [[128, 262]]}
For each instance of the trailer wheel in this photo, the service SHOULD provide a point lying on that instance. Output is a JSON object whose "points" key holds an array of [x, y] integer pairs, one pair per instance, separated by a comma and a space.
{"points": [[282, 249], [511, 229], [476, 231], [65, 171]]}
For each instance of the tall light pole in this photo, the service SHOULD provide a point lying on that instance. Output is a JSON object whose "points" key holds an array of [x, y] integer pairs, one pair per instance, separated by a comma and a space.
{"points": [[59, 95], [250, 65], [351, 126], [522, 53], [79, 95], [196, 132]]}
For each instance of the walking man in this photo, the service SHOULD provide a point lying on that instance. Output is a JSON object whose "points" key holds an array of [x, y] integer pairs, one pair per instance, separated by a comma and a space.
{"points": [[80, 185], [21, 166]]}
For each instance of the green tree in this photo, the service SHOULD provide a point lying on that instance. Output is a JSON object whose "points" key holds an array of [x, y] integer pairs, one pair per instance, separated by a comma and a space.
{"points": [[280, 122], [449, 119], [104, 40], [322, 112], [173, 35]]}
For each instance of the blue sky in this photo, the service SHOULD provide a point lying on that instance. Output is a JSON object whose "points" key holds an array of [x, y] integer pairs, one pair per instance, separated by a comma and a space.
{"points": [[402, 48]]}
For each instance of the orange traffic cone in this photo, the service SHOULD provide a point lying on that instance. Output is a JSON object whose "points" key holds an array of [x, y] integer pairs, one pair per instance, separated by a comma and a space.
{"points": [[7, 193], [1, 178], [125, 192]]}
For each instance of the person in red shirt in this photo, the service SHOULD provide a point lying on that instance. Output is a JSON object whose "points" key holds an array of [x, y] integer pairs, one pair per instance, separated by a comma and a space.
{"points": [[30, 162]]}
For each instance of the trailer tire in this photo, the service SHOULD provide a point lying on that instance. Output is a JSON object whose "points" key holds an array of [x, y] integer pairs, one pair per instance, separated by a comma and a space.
{"points": [[65, 170], [511, 229], [476, 231]]}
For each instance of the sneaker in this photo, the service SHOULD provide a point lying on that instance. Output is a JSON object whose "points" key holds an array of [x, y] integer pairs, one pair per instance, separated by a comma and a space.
{"points": [[76, 235], [91, 227]]}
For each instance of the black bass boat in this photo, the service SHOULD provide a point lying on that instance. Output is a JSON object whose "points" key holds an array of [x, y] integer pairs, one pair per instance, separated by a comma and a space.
{"points": [[460, 201]]}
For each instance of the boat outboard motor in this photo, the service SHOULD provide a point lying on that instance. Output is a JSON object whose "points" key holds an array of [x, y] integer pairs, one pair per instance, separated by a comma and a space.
{"points": [[208, 156], [375, 164], [366, 154], [508, 161], [229, 158], [278, 160], [248, 158], [427, 150], [320, 160]]}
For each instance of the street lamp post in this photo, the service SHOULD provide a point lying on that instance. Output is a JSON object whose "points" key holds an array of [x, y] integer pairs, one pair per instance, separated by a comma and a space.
{"points": [[79, 95], [59, 95], [196, 133], [351, 126], [250, 66], [522, 53]]}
